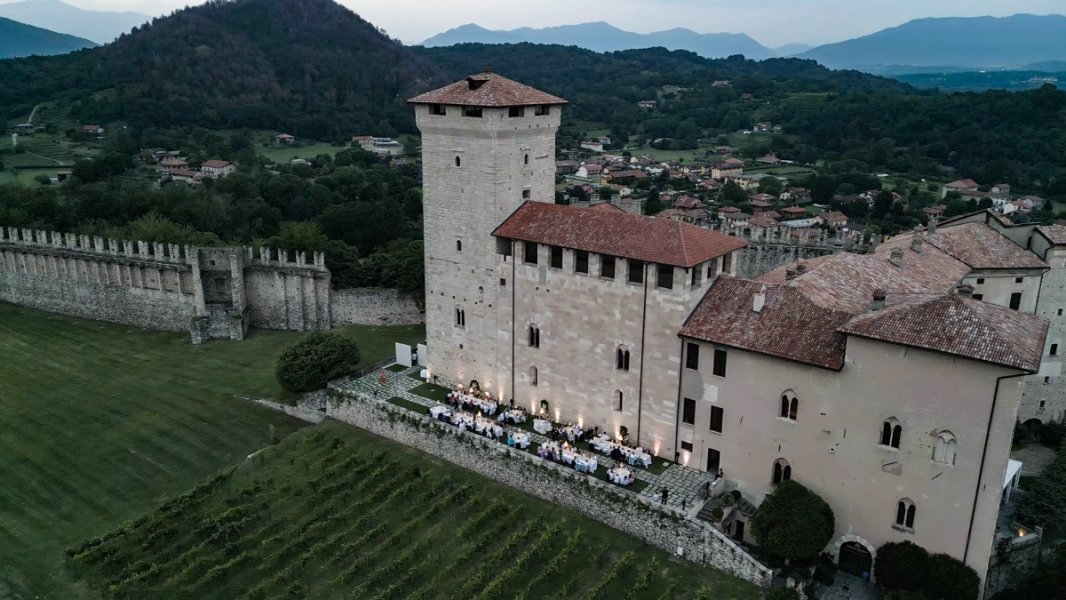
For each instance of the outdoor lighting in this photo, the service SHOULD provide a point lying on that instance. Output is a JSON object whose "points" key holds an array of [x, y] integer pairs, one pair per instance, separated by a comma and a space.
{"points": [[1022, 532]]}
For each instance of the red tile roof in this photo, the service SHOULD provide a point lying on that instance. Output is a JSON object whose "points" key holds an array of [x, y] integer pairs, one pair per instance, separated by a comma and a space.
{"points": [[617, 234], [216, 164], [964, 184], [1056, 234], [975, 244], [488, 90], [958, 325]]}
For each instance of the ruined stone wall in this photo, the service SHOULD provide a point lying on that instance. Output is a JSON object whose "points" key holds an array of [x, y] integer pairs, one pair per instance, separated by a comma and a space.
{"points": [[144, 285], [662, 527], [761, 258], [373, 306]]}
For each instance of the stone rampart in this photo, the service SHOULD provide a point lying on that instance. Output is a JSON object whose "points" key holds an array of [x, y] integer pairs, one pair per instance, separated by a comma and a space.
{"points": [[374, 306], [663, 527]]}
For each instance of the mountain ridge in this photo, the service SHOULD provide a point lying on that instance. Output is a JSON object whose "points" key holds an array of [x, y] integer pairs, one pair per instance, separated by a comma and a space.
{"points": [[100, 27], [600, 36], [19, 39]]}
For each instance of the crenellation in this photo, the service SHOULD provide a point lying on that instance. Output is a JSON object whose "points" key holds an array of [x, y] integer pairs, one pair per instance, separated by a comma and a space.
{"points": [[127, 247]]}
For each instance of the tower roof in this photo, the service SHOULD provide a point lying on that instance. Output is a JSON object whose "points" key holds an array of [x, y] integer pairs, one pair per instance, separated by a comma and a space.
{"points": [[487, 90]]}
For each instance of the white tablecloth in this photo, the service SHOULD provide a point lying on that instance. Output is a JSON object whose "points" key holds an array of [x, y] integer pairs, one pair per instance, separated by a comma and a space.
{"points": [[521, 440], [542, 426], [436, 411], [632, 456], [518, 416], [621, 476]]}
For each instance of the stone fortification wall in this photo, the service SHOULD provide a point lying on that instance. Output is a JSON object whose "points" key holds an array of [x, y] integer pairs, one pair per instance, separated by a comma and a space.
{"points": [[662, 527], [760, 258], [288, 292], [141, 284], [373, 306]]}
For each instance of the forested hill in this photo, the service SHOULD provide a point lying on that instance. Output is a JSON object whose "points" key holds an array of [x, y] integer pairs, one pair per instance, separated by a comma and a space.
{"points": [[18, 39], [309, 66]]}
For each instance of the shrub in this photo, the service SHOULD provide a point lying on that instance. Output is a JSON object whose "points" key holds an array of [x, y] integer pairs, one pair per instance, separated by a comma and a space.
{"points": [[1045, 500], [1052, 434], [901, 566], [793, 523], [312, 362], [947, 578]]}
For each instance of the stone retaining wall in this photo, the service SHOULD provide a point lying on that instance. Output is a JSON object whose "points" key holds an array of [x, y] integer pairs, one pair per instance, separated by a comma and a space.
{"points": [[664, 528], [373, 306]]}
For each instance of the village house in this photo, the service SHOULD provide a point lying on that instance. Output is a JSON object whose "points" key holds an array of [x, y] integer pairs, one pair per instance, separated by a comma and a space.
{"points": [[186, 176], [722, 83], [647, 104], [960, 186], [284, 138], [793, 212], [593, 145], [763, 127], [770, 159], [93, 130], [383, 146], [217, 169], [171, 164], [888, 383]]}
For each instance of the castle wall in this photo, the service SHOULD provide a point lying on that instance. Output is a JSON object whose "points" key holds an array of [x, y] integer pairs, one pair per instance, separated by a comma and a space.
{"points": [[141, 285], [760, 258], [373, 306], [1044, 398]]}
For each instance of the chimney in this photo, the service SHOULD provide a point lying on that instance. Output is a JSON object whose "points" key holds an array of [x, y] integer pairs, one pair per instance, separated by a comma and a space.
{"points": [[896, 257], [931, 227], [801, 268], [965, 290], [916, 243], [790, 273], [759, 300], [879, 299]]}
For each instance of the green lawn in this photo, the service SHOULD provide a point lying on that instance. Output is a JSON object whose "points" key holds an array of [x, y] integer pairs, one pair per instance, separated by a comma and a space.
{"points": [[431, 391], [335, 512], [100, 422], [283, 153]]}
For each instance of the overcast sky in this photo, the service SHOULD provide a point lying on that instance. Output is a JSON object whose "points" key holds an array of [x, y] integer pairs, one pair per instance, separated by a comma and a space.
{"points": [[771, 22]]}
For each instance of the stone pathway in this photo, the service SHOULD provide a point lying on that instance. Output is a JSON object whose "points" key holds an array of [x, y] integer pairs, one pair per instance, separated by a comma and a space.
{"points": [[682, 483], [847, 587]]}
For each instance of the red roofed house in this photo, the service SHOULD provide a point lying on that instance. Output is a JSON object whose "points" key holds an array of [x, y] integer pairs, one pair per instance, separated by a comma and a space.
{"points": [[93, 129], [217, 169], [877, 380], [960, 186], [794, 212]]}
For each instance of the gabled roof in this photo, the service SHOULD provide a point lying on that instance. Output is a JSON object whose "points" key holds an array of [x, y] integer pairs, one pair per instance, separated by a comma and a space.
{"points": [[975, 244], [964, 184], [487, 90], [1056, 234], [216, 164], [958, 325], [617, 234]]}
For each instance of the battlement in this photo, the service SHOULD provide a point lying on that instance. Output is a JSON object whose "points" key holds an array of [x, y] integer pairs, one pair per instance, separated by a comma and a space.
{"points": [[154, 251]]}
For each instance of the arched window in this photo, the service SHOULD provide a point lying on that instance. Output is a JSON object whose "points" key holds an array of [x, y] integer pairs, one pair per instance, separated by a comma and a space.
{"points": [[534, 336], [789, 406], [944, 450], [532, 376], [458, 162], [618, 400], [905, 513], [527, 159], [891, 432], [460, 317], [458, 245], [622, 358], [782, 471]]}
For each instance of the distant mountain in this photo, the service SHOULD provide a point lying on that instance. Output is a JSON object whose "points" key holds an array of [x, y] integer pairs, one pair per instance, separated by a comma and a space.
{"points": [[603, 37], [98, 26], [312, 68], [971, 42], [792, 49], [18, 39]]}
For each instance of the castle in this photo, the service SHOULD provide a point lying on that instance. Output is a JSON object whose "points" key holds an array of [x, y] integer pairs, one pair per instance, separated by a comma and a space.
{"points": [[213, 293], [888, 382]]}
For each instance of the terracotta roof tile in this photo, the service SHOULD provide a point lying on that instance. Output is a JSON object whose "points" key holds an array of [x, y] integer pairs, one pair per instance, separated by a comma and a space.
{"points": [[789, 326], [488, 90], [615, 233], [960, 326], [976, 244], [1055, 233]]}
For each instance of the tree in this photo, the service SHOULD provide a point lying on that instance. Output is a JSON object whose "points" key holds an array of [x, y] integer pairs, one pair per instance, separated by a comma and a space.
{"points": [[948, 578], [733, 194], [1044, 503], [770, 185], [901, 566], [312, 362], [793, 523]]}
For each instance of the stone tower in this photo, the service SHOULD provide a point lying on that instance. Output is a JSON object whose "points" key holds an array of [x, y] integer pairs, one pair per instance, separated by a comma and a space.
{"points": [[488, 145]]}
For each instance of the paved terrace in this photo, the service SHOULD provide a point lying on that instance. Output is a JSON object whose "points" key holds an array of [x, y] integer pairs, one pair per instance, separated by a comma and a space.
{"points": [[682, 483]]}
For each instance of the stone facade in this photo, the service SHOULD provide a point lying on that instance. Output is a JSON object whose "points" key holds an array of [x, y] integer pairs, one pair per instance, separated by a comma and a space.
{"points": [[664, 528], [476, 171], [210, 292], [373, 306], [1045, 393]]}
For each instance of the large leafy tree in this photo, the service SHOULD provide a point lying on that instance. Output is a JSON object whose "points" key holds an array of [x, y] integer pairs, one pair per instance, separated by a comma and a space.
{"points": [[793, 522], [312, 362]]}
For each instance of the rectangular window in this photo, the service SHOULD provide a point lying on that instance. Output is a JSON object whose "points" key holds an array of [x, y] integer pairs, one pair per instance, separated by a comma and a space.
{"points": [[717, 414], [1018, 280], [503, 246], [530, 253], [607, 267], [503, 282], [719, 362], [696, 279], [516, 111], [636, 271], [1016, 300], [688, 413], [714, 460], [712, 269], [687, 446], [557, 257], [543, 109], [525, 194], [472, 111], [980, 280], [665, 277], [692, 356], [1054, 350], [978, 296], [438, 109], [581, 261], [727, 263]]}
